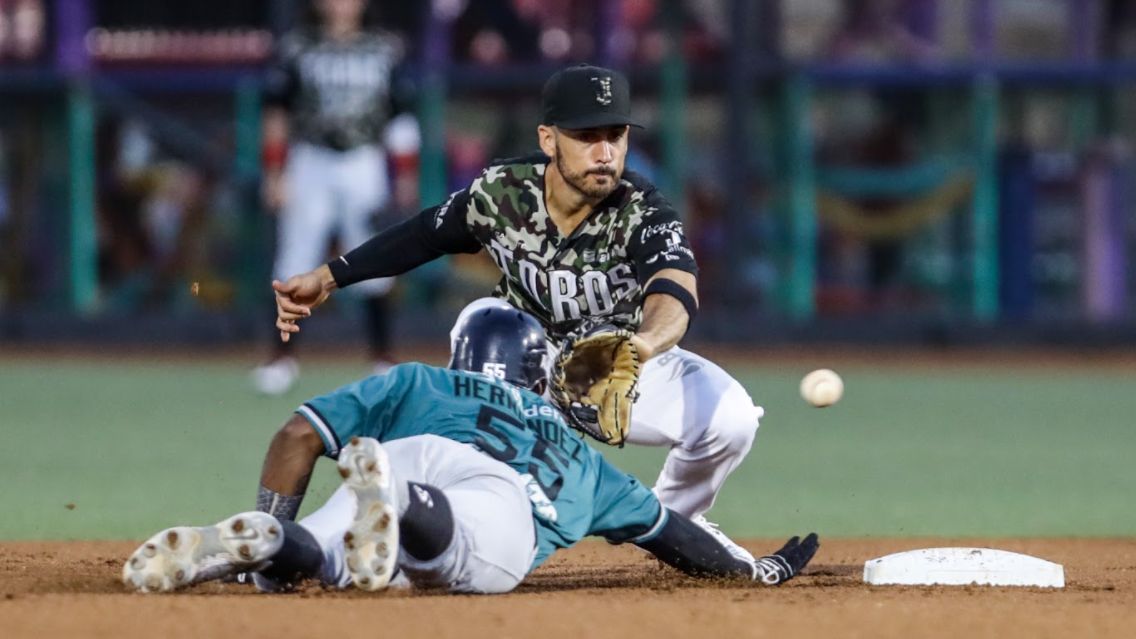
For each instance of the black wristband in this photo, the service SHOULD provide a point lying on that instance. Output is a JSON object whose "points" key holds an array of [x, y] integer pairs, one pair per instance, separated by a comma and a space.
{"points": [[283, 507], [665, 286]]}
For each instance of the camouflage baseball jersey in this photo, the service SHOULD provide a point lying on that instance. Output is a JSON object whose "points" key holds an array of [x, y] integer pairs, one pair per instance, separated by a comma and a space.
{"points": [[594, 276], [337, 93]]}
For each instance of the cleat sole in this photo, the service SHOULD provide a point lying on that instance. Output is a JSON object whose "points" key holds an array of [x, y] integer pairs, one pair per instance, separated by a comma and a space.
{"points": [[179, 557], [372, 540]]}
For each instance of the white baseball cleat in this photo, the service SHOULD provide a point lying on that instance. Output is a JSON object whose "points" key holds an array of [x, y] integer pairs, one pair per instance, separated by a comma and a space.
{"points": [[186, 555], [381, 367], [276, 377], [732, 546], [372, 540]]}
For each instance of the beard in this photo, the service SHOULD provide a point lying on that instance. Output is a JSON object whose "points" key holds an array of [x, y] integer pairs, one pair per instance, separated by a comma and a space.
{"points": [[579, 179]]}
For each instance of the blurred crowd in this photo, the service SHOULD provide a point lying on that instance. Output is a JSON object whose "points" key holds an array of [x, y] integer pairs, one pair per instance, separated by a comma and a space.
{"points": [[163, 220], [499, 32], [22, 29]]}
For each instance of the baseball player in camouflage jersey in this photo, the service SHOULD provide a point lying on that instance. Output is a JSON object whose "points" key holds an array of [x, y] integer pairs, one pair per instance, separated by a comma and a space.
{"points": [[581, 242], [328, 101], [464, 479]]}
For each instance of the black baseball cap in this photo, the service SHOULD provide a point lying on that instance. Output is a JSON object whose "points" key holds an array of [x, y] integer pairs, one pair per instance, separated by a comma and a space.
{"points": [[586, 97]]}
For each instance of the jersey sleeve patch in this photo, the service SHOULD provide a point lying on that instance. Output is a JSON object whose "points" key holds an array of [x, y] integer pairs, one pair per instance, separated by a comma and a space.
{"points": [[659, 241], [664, 246]]}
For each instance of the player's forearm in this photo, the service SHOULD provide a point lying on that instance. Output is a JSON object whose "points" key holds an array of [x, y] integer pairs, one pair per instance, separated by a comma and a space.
{"points": [[287, 468], [665, 317], [393, 251], [683, 545]]}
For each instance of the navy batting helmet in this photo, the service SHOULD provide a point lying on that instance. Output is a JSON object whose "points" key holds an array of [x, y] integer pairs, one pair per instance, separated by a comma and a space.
{"points": [[501, 342]]}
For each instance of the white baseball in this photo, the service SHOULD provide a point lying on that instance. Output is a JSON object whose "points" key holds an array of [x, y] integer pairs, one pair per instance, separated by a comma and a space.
{"points": [[822, 387]]}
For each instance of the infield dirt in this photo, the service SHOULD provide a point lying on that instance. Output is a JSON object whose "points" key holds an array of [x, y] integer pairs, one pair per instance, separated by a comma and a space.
{"points": [[72, 589]]}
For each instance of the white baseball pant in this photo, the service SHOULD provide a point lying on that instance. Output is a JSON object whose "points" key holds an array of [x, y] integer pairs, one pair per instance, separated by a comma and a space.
{"points": [[494, 540], [329, 193]]}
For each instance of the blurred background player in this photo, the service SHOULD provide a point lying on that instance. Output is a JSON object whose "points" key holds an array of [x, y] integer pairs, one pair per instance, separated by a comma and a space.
{"points": [[328, 100]]}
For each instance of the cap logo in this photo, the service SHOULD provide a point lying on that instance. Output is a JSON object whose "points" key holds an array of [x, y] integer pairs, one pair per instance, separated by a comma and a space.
{"points": [[603, 89]]}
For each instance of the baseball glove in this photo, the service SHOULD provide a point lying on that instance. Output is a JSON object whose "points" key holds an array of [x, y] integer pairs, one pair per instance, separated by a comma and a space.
{"points": [[593, 382]]}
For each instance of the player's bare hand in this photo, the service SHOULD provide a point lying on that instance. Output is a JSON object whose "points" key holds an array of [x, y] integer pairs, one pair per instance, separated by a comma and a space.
{"points": [[296, 297]]}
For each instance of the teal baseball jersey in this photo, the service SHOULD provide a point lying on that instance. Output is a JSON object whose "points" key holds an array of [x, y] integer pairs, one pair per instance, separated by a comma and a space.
{"points": [[574, 491]]}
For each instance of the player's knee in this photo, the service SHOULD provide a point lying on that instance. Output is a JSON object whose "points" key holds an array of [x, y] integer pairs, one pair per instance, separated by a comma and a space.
{"points": [[735, 423], [427, 527]]}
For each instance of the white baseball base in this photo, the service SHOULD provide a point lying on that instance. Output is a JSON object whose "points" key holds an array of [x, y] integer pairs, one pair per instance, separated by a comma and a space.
{"points": [[963, 566]]}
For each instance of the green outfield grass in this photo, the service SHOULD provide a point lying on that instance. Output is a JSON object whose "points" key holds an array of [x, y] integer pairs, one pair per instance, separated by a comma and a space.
{"points": [[119, 449]]}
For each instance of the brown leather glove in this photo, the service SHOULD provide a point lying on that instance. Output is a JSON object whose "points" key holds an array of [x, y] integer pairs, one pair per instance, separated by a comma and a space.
{"points": [[594, 381]]}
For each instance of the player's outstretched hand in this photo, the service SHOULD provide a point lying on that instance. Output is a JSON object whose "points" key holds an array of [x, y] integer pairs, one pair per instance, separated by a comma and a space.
{"points": [[787, 562], [296, 297]]}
